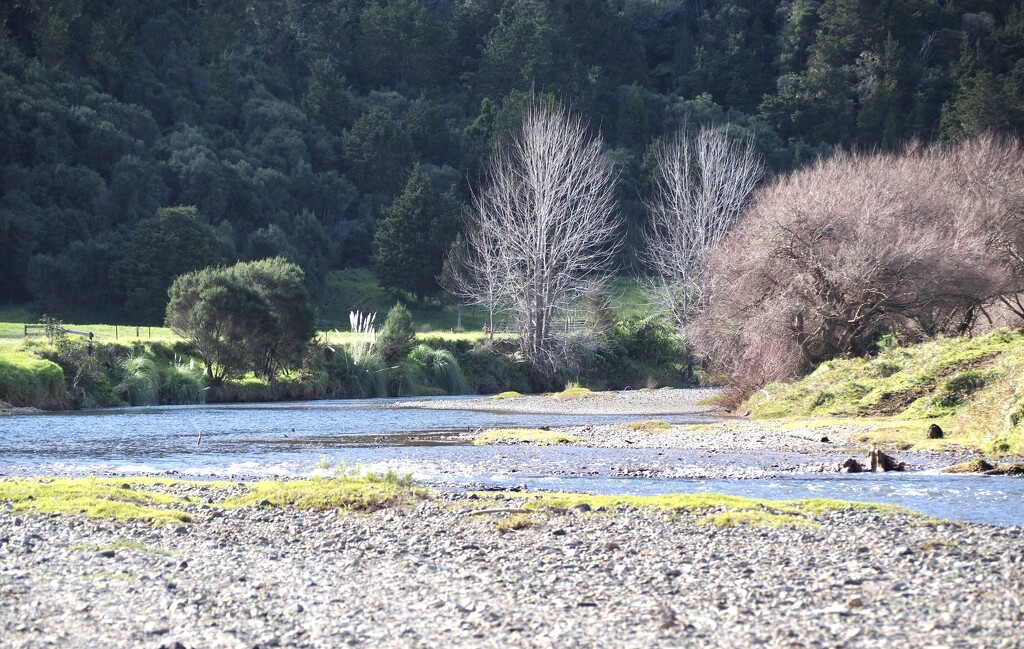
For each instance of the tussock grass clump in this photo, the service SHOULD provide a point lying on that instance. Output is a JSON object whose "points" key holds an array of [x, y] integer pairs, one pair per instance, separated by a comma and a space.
{"points": [[515, 522], [140, 384], [649, 426], [525, 436], [94, 497], [182, 383], [366, 494], [439, 369]]}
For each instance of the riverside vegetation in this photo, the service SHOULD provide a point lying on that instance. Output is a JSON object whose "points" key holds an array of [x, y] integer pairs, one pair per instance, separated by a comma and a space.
{"points": [[970, 387], [68, 372]]}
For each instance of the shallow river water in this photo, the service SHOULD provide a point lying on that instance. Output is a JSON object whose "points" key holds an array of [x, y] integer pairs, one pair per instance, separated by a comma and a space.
{"points": [[308, 438]]}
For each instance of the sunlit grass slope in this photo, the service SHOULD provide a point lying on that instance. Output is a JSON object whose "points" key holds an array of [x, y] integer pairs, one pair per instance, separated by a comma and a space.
{"points": [[975, 386]]}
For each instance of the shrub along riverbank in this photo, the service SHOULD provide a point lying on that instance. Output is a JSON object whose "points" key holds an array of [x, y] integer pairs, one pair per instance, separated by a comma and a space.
{"points": [[72, 373], [972, 388]]}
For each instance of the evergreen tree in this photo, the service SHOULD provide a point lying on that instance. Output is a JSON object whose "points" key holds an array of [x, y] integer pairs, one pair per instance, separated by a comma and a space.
{"points": [[413, 236], [250, 317], [161, 248], [327, 100]]}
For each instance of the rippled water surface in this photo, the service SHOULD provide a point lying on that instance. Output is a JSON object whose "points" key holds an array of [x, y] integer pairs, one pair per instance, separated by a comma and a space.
{"points": [[300, 438]]}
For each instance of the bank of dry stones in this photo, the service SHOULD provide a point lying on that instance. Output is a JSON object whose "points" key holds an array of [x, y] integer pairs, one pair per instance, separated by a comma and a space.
{"points": [[430, 576]]}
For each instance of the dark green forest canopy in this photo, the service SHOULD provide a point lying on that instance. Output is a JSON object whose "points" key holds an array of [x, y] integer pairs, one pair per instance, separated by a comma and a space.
{"points": [[290, 124]]}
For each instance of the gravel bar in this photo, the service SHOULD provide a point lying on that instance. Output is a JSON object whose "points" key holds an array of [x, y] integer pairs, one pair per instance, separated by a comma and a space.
{"points": [[666, 401], [428, 575]]}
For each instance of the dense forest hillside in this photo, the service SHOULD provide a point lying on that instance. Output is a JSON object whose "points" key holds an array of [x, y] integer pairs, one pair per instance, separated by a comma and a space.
{"points": [[293, 126]]}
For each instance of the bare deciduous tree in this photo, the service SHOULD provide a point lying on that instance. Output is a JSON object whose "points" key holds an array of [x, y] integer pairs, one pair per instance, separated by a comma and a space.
{"points": [[544, 225], [991, 181], [703, 183]]}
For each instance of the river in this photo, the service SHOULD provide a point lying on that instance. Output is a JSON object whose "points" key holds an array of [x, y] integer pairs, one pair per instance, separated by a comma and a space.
{"points": [[324, 437]]}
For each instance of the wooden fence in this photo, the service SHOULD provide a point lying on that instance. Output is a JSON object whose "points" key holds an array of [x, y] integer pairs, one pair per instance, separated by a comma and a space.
{"points": [[44, 330]]}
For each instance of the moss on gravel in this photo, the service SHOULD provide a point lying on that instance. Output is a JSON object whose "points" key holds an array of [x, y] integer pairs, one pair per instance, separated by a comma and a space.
{"points": [[525, 435], [151, 500], [724, 511], [574, 392], [121, 499], [649, 426], [352, 494]]}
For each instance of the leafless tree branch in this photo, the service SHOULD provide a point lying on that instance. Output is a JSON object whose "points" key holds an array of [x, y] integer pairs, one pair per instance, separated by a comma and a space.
{"points": [[544, 225], [704, 182]]}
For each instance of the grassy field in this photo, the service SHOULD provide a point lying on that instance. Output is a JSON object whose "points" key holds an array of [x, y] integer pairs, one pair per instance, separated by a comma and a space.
{"points": [[101, 332], [972, 387], [345, 291]]}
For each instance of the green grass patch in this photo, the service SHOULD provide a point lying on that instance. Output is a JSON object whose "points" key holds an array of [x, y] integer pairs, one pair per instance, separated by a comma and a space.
{"points": [[525, 435], [510, 394], [95, 497], [724, 511], [573, 392], [147, 499], [626, 297], [649, 426], [105, 333], [27, 380], [366, 494]]}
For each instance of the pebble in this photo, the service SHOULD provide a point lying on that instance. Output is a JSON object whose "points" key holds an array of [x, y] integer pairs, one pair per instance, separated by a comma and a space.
{"points": [[427, 576]]}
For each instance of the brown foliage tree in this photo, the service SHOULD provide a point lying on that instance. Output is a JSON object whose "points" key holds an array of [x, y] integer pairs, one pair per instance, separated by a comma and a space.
{"points": [[829, 258]]}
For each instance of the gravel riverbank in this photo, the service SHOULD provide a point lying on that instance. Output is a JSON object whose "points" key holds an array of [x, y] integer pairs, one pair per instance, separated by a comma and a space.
{"points": [[720, 436], [427, 575], [665, 401]]}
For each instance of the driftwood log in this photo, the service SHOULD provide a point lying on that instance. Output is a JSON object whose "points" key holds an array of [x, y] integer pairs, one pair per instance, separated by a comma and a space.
{"points": [[498, 510], [875, 461]]}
